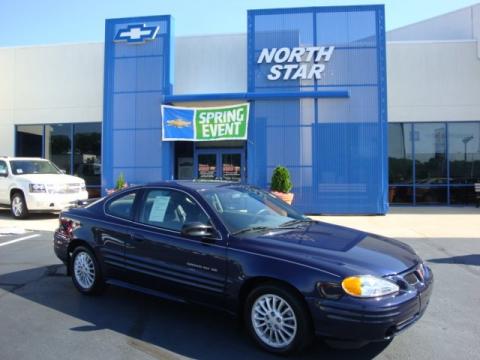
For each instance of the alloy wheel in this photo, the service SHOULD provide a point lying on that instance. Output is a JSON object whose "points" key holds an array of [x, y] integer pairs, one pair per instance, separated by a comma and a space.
{"points": [[274, 321], [84, 270], [17, 206]]}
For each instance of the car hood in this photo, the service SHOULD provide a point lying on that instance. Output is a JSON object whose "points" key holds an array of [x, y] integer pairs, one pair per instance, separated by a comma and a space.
{"points": [[49, 179], [339, 250]]}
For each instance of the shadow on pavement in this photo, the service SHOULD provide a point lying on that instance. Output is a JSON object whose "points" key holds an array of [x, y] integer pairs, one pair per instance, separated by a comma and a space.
{"points": [[149, 322], [472, 259]]}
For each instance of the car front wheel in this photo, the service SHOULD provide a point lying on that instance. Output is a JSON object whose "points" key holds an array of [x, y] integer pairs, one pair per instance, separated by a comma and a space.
{"points": [[277, 319], [19, 206], [86, 275]]}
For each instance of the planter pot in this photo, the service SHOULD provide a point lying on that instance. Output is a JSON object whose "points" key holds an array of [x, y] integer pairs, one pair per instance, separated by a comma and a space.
{"points": [[287, 197]]}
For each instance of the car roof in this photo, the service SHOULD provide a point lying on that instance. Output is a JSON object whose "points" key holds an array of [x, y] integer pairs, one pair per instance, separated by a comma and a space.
{"points": [[195, 184]]}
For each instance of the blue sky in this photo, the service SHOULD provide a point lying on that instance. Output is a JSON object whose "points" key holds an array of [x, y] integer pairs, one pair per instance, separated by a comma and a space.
{"points": [[30, 22]]}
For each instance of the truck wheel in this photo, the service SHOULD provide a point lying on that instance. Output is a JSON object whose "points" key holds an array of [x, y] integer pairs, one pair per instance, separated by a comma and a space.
{"points": [[18, 206]]}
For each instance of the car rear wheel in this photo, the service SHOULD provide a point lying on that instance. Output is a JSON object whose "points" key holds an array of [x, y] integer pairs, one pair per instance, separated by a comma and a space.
{"points": [[86, 275], [277, 319], [18, 206]]}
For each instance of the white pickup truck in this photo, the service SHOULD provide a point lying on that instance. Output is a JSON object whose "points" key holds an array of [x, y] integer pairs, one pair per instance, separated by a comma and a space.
{"points": [[37, 185]]}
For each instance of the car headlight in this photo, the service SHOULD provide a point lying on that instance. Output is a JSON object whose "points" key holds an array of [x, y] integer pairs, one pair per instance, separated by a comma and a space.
{"points": [[83, 187], [37, 188], [366, 286]]}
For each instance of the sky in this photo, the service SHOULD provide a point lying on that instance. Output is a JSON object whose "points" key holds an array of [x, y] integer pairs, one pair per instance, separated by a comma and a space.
{"points": [[33, 22]]}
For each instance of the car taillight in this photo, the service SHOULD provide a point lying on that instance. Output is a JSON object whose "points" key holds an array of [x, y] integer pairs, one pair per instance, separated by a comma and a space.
{"points": [[67, 226]]}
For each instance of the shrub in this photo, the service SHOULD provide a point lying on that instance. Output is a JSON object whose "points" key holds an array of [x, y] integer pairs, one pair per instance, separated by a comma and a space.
{"points": [[281, 181], [120, 184]]}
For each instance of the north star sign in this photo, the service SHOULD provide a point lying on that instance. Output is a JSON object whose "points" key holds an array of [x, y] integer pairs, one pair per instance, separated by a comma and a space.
{"points": [[136, 34], [296, 63]]}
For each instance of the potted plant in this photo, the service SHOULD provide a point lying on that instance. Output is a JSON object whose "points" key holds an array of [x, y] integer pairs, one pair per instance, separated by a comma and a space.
{"points": [[281, 184], [119, 184]]}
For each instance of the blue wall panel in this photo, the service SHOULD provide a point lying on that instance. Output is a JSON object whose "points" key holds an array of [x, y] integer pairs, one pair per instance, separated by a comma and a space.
{"points": [[137, 77], [335, 148]]}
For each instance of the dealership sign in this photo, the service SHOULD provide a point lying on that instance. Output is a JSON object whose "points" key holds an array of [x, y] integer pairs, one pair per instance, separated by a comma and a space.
{"points": [[136, 34], [205, 124], [296, 63]]}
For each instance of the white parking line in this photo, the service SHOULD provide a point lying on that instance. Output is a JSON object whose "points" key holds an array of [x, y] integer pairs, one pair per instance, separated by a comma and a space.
{"points": [[19, 239]]}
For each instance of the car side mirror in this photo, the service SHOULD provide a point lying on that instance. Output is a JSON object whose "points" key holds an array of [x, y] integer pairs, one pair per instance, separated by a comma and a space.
{"points": [[198, 229], [63, 171], [3, 172]]}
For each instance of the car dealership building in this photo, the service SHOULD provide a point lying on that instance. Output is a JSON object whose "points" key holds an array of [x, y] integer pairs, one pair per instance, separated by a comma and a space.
{"points": [[315, 81]]}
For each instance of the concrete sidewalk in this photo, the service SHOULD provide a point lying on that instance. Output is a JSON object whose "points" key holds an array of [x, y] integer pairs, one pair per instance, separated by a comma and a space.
{"points": [[400, 222], [416, 222]]}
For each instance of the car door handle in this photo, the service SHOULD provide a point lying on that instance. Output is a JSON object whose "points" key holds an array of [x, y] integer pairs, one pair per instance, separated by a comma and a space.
{"points": [[137, 237]]}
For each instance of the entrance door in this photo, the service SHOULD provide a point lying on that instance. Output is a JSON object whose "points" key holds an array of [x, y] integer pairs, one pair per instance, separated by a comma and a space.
{"points": [[220, 164]]}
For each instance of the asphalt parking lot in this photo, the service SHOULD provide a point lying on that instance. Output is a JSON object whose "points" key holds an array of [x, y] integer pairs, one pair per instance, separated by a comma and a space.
{"points": [[42, 316]]}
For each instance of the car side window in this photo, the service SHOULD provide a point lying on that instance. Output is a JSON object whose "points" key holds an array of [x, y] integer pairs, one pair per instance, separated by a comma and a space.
{"points": [[170, 209], [122, 206], [3, 168]]}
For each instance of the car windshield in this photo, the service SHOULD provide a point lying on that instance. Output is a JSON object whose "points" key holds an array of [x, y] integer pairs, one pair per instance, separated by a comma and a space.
{"points": [[244, 209], [21, 167]]}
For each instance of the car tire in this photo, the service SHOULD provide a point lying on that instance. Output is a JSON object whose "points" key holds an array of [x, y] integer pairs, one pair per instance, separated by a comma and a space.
{"points": [[18, 206], [85, 271], [277, 319]]}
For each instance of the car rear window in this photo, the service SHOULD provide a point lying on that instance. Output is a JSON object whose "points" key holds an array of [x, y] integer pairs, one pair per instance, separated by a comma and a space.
{"points": [[122, 206]]}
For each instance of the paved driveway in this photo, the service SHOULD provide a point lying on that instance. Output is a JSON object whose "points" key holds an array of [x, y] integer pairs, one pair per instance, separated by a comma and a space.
{"points": [[42, 316]]}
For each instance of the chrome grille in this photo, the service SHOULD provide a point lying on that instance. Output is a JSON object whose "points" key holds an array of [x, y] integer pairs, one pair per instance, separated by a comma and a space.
{"points": [[64, 188]]}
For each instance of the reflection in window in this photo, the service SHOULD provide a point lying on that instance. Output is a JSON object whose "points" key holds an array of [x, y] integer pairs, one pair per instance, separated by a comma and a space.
{"points": [[464, 152], [400, 194], [430, 150], [29, 140], [84, 152], [431, 195], [87, 161], [58, 144], [400, 153]]}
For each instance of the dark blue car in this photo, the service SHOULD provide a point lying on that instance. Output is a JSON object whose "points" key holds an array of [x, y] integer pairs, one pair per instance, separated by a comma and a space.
{"points": [[240, 249]]}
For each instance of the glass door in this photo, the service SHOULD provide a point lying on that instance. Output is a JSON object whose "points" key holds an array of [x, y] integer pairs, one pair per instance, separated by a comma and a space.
{"points": [[206, 166], [219, 164]]}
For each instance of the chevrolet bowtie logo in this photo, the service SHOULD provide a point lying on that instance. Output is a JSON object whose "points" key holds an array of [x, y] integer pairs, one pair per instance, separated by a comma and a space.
{"points": [[136, 34]]}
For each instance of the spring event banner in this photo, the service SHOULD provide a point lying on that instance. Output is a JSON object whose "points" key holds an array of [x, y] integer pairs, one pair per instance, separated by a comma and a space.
{"points": [[205, 124]]}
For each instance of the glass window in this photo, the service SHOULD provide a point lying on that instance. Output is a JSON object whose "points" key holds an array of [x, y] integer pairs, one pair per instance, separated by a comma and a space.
{"points": [[29, 140], [22, 167], [430, 149], [245, 207], [400, 194], [58, 145], [464, 152], [462, 195], [431, 195], [3, 168], [87, 159], [122, 206], [171, 209], [400, 153]]}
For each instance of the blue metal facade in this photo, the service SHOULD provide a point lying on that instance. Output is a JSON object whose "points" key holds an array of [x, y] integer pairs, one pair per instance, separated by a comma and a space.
{"points": [[335, 148], [137, 77], [331, 133]]}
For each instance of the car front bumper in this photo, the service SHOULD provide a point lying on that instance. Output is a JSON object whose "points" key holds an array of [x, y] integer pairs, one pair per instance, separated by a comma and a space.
{"points": [[52, 202], [370, 319]]}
